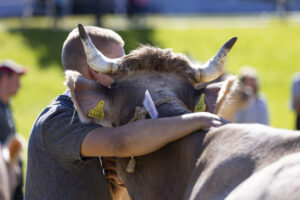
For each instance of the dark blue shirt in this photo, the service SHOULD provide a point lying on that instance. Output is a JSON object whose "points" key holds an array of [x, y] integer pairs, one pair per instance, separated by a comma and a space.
{"points": [[7, 124], [55, 168]]}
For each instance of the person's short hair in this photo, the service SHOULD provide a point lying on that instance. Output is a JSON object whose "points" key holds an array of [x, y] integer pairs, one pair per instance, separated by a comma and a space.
{"points": [[73, 56]]}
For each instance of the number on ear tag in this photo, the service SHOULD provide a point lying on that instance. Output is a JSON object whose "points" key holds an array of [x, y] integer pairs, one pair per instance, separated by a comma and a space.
{"points": [[97, 112], [200, 106]]}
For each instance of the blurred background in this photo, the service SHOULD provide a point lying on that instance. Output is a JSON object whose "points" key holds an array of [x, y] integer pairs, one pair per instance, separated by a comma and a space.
{"points": [[32, 33]]}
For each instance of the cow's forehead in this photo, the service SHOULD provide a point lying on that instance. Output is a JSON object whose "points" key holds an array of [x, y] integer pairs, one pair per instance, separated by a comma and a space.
{"points": [[154, 81], [149, 58]]}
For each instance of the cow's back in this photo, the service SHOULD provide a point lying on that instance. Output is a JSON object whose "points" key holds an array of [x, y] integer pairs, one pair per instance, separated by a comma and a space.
{"points": [[233, 153], [279, 180]]}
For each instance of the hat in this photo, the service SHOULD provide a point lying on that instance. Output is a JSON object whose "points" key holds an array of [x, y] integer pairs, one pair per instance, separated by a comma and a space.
{"points": [[11, 66]]}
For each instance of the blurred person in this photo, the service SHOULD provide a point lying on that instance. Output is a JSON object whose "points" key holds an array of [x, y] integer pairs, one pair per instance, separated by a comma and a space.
{"points": [[296, 98], [256, 111], [136, 7], [10, 73], [136, 10], [63, 153]]}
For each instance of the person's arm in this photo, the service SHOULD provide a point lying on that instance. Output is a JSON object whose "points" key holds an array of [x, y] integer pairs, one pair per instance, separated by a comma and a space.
{"points": [[145, 136]]}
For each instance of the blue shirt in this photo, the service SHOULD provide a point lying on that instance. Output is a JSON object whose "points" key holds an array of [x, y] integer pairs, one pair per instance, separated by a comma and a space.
{"points": [[255, 112], [7, 124]]}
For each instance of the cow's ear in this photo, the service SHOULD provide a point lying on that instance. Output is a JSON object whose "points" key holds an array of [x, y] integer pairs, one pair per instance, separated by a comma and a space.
{"points": [[88, 97], [222, 98], [232, 98], [211, 93]]}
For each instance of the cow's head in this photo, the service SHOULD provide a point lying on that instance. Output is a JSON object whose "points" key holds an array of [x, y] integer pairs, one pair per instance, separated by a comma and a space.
{"points": [[166, 75]]}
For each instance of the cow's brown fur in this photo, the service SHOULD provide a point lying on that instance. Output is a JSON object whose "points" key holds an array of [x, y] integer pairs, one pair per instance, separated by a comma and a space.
{"points": [[149, 58]]}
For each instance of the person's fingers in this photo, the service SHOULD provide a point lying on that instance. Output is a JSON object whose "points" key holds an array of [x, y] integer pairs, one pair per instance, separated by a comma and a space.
{"points": [[110, 174], [108, 162], [209, 120], [109, 167], [113, 177]]}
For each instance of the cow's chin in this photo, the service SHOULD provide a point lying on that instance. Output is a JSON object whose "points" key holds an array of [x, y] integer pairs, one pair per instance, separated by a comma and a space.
{"points": [[104, 123], [173, 108]]}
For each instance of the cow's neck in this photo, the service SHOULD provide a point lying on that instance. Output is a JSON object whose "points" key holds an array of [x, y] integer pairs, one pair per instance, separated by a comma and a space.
{"points": [[164, 173], [156, 174]]}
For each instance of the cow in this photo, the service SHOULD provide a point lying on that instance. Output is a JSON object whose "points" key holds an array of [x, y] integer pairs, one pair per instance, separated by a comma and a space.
{"points": [[10, 170], [210, 164]]}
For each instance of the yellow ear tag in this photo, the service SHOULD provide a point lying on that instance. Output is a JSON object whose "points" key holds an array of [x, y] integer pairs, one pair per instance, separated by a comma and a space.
{"points": [[200, 106], [97, 112]]}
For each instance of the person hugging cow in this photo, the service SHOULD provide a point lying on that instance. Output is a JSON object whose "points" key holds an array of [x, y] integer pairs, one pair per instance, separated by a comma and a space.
{"points": [[63, 152]]}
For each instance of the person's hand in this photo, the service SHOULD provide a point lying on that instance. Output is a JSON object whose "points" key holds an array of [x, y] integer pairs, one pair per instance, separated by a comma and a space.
{"points": [[208, 120], [117, 185], [109, 166]]}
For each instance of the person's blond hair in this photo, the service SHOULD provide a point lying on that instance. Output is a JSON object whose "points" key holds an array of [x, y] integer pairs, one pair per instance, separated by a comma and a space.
{"points": [[248, 71], [73, 56]]}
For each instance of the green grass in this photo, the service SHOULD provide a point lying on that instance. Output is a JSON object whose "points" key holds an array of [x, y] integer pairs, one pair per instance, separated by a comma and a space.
{"points": [[272, 48]]}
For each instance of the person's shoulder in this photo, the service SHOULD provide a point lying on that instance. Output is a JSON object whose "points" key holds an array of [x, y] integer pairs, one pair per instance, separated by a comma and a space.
{"points": [[61, 105], [296, 78], [64, 102], [262, 99]]}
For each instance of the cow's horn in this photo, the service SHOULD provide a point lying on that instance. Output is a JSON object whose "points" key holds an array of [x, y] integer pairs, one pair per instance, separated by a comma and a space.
{"points": [[213, 68], [95, 58]]}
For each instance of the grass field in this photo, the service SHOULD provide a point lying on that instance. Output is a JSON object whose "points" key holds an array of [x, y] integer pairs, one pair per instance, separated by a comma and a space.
{"points": [[272, 46]]}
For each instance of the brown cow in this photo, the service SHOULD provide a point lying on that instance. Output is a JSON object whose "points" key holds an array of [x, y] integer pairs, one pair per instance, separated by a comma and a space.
{"points": [[166, 75], [201, 166]]}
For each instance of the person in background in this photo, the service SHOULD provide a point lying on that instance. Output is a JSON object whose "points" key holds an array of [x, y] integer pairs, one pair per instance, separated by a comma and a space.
{"points": [[296, 98], [10, 73], [256, 111]]}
